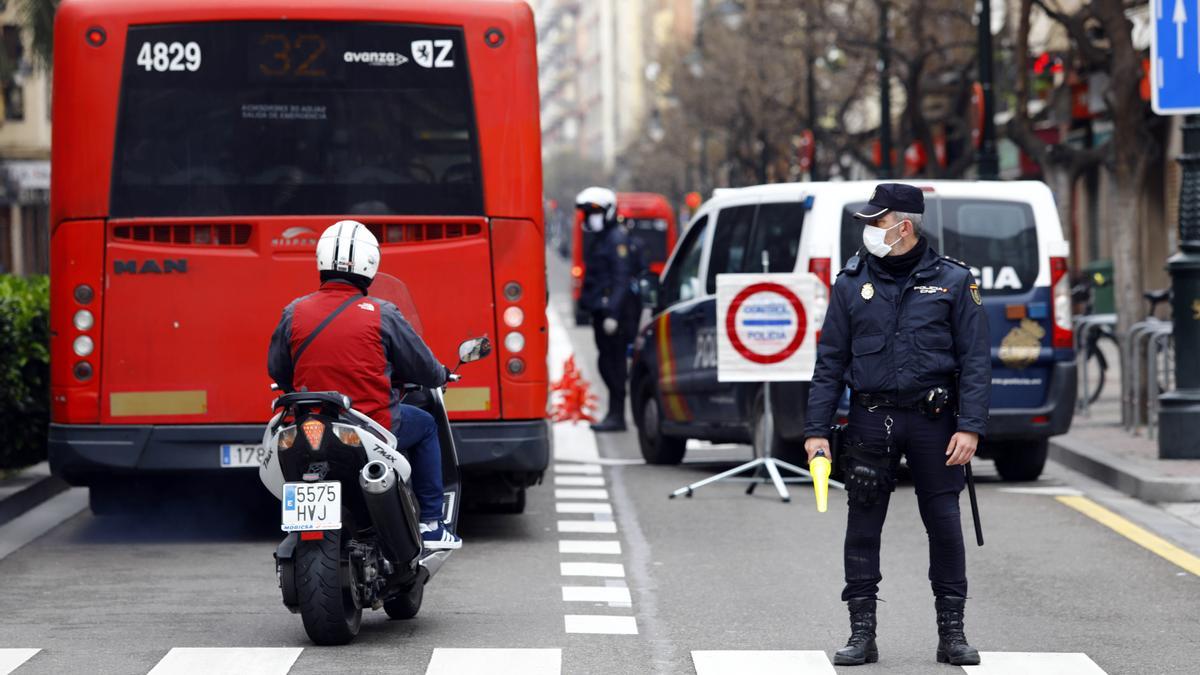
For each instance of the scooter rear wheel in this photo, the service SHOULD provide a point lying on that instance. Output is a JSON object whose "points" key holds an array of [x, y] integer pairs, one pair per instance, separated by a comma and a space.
{"points": [[325, 585], [407, 604]]}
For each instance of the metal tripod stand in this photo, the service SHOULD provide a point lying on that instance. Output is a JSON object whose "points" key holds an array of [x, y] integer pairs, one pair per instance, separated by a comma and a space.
{"points": [[771, 465]]}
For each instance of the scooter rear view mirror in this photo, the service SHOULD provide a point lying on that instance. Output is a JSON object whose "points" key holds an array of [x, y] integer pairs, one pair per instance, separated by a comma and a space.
{"points": [[474, 349]]}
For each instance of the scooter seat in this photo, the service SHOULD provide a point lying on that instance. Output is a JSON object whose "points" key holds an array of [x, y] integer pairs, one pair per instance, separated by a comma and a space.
{"points": [[312, 398]]}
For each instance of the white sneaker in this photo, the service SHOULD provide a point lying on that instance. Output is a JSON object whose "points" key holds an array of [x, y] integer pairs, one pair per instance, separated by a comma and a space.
{"points": [[439, 538]]}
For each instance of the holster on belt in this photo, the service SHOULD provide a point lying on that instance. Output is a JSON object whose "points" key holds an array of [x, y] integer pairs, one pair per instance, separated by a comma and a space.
{"points": [[869, 473]]}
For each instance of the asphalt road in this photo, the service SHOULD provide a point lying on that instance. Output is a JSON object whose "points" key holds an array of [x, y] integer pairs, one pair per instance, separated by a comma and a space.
{"points": [[719, 572]]}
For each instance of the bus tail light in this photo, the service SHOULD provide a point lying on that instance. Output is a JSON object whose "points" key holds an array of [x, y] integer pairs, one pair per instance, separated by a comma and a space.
{"points": [[520, 315], [1060, 286], [822, 268], [516, 366], [77, 250]]}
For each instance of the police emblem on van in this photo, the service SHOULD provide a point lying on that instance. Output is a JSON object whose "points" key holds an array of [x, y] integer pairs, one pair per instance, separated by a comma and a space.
{"points": [[1020, 348]]}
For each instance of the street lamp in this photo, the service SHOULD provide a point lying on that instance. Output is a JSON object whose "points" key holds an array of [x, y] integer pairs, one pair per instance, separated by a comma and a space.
{"points": [[987, 162], [885, 94]]}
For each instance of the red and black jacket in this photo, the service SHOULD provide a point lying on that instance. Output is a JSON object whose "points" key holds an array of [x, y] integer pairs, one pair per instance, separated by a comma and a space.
{"points": [[367, 352]]}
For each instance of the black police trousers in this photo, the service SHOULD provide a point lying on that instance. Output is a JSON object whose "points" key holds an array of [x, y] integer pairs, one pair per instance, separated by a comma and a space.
{"points": [[923, 443], [614, 364]]}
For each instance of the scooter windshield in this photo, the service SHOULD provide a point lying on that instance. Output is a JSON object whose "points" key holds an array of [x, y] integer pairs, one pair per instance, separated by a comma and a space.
{"points": [[388, 287]]}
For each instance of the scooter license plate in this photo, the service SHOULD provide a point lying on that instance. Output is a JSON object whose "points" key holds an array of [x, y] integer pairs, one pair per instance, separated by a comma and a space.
{"points": [[312, 506]]}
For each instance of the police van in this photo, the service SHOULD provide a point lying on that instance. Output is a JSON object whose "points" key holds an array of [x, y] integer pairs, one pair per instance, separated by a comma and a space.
{"points": [[1007, 232]]}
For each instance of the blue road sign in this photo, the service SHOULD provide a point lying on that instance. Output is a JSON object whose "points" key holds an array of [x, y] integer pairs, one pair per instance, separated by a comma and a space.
{"points": [[1175, 49]]}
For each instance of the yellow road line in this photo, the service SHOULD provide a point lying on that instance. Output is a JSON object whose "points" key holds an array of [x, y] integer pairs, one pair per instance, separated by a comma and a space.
{"points": [[1137, 535]]}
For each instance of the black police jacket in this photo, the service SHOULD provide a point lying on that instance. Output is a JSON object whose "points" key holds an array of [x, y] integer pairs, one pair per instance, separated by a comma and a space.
{"points": [[610, 281], [881, 338]]}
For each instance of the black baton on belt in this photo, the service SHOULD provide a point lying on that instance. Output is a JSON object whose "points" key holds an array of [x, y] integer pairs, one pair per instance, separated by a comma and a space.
{"points": [[974, 504]]}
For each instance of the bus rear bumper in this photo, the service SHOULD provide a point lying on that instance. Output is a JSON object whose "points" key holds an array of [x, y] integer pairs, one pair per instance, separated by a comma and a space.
{"points": [[86, 454]]}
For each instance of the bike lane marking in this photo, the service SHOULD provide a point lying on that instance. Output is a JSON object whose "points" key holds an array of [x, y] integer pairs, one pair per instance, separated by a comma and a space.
{"points": [[244, 661]]}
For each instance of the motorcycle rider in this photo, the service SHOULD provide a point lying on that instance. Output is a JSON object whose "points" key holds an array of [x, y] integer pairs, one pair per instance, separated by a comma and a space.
{"points": [[610, 293], [365, 349]]}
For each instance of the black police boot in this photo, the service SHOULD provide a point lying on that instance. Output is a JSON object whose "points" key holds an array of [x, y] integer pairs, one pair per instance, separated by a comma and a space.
{"points": [[952, 643], [610, 423], [861, 647]]}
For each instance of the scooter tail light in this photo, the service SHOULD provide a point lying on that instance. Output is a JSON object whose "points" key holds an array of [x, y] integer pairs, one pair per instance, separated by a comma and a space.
{"points": [[1063, 337], [312, 535], [313, 431]]}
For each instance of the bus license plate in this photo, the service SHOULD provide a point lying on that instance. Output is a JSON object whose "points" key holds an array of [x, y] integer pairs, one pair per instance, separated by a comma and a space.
{"points": [[234, 456], [312, 506]]}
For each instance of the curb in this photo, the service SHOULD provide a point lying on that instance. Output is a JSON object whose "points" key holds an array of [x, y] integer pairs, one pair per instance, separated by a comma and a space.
{"points": [[1120, 474], [28, 489]]}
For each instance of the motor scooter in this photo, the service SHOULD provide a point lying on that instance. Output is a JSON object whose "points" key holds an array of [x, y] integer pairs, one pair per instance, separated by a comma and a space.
{"points": [[348, 508]]}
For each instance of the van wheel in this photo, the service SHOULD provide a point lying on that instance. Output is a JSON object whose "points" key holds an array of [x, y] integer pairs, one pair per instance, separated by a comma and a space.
{"points": [[791, 452], [656, 448], [1021, 460]]}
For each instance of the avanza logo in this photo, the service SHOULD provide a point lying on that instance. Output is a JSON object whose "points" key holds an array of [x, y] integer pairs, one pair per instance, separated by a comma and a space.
{"points": [[295, 237]]}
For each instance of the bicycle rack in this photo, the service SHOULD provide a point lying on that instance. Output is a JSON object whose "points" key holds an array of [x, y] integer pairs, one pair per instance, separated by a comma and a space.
{"points": [[1084, 325], [1140, 336], [1161, 343]]}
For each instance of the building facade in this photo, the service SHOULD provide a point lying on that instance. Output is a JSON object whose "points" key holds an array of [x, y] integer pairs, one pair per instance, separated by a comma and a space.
{"points": [[24, 153]]}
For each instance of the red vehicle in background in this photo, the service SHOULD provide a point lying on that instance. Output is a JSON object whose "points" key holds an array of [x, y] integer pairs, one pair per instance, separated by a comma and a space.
{"points": [[653, 226], [199, 150]]}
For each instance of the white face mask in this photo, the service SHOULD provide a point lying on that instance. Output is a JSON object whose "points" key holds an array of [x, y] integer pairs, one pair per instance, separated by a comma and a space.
{"points": [[595, 222], [873, 238]]}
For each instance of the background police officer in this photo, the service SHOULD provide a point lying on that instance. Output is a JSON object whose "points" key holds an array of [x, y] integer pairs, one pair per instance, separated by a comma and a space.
{"points": [[614, 264], [906, 332]]}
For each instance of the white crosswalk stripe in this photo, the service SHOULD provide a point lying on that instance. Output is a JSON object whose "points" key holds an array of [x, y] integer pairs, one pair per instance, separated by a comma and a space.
{"points": [[11, 659], [589, 547], [762, 662], [1036, 663], [236, 661], [583, 507], [590, 569], [590, 469], [587, 526], [580, 493], [600, 625], [568, 480], [495, 661], [609, 594]]}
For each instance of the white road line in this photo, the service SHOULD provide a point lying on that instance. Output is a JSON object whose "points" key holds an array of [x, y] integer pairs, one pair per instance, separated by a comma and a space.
{"points": [[591, 569], [495, 661], [600, 625], [587, 526], [610, 594], [218, 661], [762, 662], [583, 507], [589, 547], [560, 348], [574, 442], [581, 493], [1049, 491], [41, 519], [1041, 663], [579, 481], [11, 659], [591, 469]]}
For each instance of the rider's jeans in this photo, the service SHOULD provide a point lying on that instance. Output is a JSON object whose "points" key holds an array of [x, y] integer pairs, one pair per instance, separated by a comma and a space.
{"points": [[417, 437]]}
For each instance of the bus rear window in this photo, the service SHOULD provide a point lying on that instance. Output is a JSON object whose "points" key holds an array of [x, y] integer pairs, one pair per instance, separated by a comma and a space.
{"points": [[295, 118], [998, 239]]}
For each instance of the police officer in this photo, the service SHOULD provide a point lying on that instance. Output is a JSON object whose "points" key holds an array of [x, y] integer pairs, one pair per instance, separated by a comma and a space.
{"points": [[906, 332], [610, 292]]}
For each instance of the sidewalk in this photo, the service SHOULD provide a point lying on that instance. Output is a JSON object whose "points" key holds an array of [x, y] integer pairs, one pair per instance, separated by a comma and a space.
{"points": [[25, 490], [1099, 447]]}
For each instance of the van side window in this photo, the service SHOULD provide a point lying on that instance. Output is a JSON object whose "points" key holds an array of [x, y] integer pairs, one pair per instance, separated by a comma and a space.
{"points": [[683, 278], [730, 240], [777, 230], [998, 239]]}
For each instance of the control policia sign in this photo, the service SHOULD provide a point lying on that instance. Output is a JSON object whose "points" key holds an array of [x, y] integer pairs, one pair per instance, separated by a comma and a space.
{"points": [[767, 327]]}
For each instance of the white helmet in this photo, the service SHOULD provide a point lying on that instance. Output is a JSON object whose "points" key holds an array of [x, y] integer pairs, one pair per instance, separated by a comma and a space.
{"points": [[598, 199], [348, 246]]}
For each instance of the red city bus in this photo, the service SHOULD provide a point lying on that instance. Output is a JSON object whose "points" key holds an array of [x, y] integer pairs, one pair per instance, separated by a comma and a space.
{"points": [[653, 226], [199, 150]]}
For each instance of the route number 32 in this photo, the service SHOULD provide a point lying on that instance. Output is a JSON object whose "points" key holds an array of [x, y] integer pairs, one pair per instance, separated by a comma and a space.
{"points": [[174, 56]]}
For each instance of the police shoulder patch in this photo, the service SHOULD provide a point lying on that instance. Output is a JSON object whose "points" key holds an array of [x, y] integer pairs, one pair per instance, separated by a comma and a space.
{"points": [[956, 261], [975, 294]]}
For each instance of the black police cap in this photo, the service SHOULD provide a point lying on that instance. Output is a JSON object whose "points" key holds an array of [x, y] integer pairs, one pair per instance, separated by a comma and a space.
{"points": [[893, 197]]}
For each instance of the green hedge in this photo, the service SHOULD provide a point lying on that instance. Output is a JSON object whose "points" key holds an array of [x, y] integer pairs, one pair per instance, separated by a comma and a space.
{"points": [[24, 369]]}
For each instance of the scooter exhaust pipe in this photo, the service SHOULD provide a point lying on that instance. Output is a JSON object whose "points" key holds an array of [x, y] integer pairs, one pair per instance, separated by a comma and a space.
{"points": [[393, 512]]}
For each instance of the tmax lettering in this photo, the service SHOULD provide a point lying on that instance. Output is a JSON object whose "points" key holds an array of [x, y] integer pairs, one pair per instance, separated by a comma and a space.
{"points": [[151, 266]]}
